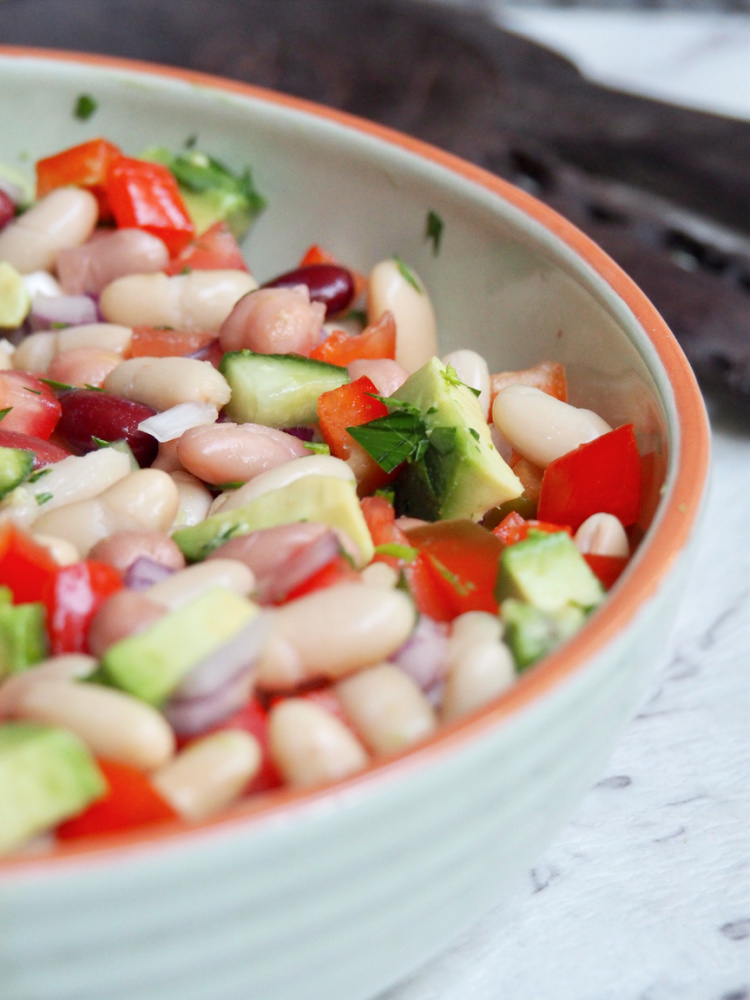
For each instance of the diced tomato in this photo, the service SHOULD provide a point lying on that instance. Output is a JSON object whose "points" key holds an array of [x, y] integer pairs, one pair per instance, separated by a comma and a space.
{"points": [[606, 568], [464, 559], [514, 528], [350, 405], [73, 595], [214, 250], [318, 255], [146, 196], [25, 567], [86, 165], [338, 570], [129, 802], [32, 407], [602, 475], [549, 376], [253, 718], [45, 452], [376, 341], [161, 342]]}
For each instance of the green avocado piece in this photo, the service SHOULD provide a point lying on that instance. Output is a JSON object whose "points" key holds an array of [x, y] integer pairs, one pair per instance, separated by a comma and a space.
{"points": [[15, 301], [461, 473], [548, 571], [532, 633], [23, 637], [324, 499], [151, 664], [46, 776]]}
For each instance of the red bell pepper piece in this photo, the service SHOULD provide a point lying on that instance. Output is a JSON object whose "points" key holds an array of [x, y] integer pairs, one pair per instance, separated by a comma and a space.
{"points": [[146, 196], [514, 528], [31, 407], [73, 595], [25, 567], [376, 341], [86, 165], [214, 250], [606, 568], [602, 475], [350, 405], [549, 376], [129, 802]]}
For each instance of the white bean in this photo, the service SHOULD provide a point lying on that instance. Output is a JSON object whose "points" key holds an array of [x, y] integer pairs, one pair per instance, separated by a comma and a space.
{"points": [[340, 629], [226, 453], [483, 673], [189, 583], [165, 382], [42, 283], [7, 350], [67, 667], [541, 427], [473, 371], [195, 499], [145, 499], [602, 535], [86, 269], [36, 351], [386, 708], [416, 330], [201, 300], [114, 725], [62, 550], [64, 218], [83, 366], [310, 746], [380, 574], [283, 475], [210, 774]]}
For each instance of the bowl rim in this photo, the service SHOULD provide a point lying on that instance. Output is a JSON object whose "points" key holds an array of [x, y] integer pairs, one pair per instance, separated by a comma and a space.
{"points": [[657, 555]]}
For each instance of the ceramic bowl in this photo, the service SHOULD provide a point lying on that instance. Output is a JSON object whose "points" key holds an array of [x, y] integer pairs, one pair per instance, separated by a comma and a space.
{"points": [[337, 893]]}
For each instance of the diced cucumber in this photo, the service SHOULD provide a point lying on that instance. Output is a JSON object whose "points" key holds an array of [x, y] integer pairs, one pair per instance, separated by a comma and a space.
{"points": [[15, 466], [278, 390], [23, 637]]}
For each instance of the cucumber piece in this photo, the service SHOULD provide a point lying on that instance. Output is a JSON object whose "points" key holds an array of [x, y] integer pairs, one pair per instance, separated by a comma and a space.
{"points": [[23, 636], [15, 467], [278, 390]]}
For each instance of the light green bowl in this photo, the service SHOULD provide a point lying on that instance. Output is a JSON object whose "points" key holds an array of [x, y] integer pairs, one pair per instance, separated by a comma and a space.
{"points": [[337, 893]]}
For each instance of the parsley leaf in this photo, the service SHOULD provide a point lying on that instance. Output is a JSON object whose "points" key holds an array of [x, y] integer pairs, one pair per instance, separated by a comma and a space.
{"points": [[42, 498], [317, 447], [36, 476], [5, 412], [406, 274], [406, 552], [434, 231], [85, 107], [450, 375], [399, 437], [52, 384]]}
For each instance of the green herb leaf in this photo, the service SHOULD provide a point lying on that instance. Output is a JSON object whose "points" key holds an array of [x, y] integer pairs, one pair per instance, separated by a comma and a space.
{"points": [[42, 498], [399, 437], [35, 392], [317, 447], [36, 476], [434, 231], [85, 107], [406, 274], [93, 388], [197, 172], [405, 552], [59, 326], [191, 141], [59, 386], [450, 375], [474, 433], [357, 316], [4, 413], [462, 587], [100, 442], [235, 485]]}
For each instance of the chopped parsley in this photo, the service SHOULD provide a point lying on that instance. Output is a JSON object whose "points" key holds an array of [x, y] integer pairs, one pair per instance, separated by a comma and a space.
{"points": [[36, 476], [317, 447], [399, 437], [52, 384], [462, 587], [100, 442], [406, 274], [4, 413], [450, 376], [198, 172], [85, 107], [235, 485], [434, 231], [35, 392], [42, 498], [405, 552]]}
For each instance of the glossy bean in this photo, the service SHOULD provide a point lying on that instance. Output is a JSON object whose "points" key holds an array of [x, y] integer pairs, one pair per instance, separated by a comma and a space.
{"points": [[209, 774], [62, 551], [310, 746], [387, 375], [36, 352], [331, 284], [114, 725], [540, 427], [416, 329], [108, 336], [274, 321], [201, 300], [164, 382], [88, 414], [146, 499], [602, 535], [479, 664], [263, 551], [370, 624], [123, 548], [195, 499], [67, 667], [125, 613], [88, 268], [386, 708], [64, 218], [226, 452], [189, 583], [83, 366], [473, 371]]}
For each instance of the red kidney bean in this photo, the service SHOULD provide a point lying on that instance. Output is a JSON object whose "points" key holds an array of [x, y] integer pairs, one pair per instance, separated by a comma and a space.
{"points": [[45, 453], [89, 414], [330, 284]]}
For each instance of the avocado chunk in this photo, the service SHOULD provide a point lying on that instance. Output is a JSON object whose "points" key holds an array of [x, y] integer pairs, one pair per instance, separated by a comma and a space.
{"points": [[547, 571], [151, 664], [23, 638], [460, 473], [46, 776], [310, 498], [532, 633], [15, 301]]}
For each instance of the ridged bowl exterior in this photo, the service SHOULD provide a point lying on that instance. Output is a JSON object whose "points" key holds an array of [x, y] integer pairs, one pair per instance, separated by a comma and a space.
{"points": [[338, 895]]}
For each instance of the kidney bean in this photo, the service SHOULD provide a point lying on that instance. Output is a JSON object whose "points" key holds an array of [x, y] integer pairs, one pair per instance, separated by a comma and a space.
{"points": [[121, 615], [225, 453], [96, 263], [89, 414], [330, 284], [121, 550]]}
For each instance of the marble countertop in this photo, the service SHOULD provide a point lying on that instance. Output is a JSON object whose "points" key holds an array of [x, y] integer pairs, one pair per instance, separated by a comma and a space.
{"points": [[645, 894]]}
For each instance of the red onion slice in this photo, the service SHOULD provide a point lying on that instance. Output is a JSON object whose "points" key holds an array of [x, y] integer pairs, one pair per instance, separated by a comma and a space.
{"points": [[424, 654], [144, 573], [297, 568], [48, 311]]}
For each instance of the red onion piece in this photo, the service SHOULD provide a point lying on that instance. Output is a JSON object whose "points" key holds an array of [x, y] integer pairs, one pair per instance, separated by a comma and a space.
{"points": [[303, 433], [423, 655], [48, 311], [144, 573]]}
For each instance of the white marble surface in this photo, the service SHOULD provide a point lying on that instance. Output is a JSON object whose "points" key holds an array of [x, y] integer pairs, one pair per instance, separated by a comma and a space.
{"points": [[645, 894]]}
